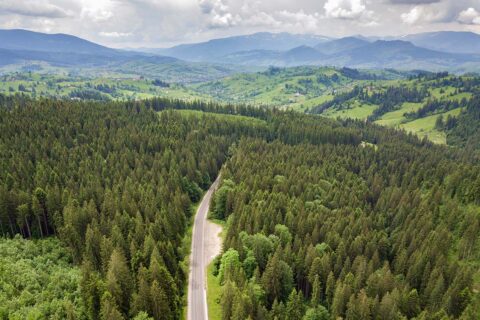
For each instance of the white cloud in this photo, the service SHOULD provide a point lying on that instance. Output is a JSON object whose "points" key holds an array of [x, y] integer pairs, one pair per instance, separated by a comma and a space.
{"points": [[115, 34], [97, 10], [413, 1], [35, 8], [469, 16], [424, 14], [347, 9]]}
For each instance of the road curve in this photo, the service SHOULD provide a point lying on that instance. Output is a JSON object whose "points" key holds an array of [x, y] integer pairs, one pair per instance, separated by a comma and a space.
{"points": [[197, 287]]}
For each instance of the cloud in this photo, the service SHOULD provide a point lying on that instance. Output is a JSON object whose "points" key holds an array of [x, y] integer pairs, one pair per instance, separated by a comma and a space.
{"points": [[424, 14], [207, 6], [469, 16], [97, 10], [220, 13], [35, 8], [416, 2], [460, 11], [347, 9], [227, 14], [115, 34]]}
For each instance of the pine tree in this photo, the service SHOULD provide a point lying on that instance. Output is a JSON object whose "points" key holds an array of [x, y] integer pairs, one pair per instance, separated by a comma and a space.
{"points": [[277, 280], [109, 309], [228, 295], [317, 313], [119, 280], [330, 288], [317, 292], [159, 305], [295, 306]]}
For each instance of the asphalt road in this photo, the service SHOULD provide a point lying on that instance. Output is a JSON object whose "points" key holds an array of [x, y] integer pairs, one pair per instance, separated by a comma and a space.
{"points": [[197, 286]]}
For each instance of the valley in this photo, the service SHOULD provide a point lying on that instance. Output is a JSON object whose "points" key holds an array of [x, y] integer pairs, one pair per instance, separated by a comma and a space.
{"points": [[262, 176]]}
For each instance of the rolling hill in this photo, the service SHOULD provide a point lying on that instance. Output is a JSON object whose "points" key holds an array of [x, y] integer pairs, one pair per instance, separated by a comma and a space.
{"points": [[213, 49], [359, 53], [398, 54], [447, 41], [340, 45], [25, 40], [20, 49]]}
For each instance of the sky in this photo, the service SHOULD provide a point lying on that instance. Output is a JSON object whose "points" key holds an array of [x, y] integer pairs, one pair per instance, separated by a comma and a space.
{"points": [[163, 23]]}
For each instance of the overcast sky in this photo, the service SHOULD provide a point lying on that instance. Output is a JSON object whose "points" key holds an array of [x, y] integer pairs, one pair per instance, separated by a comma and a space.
{"points": [[160, 23]]}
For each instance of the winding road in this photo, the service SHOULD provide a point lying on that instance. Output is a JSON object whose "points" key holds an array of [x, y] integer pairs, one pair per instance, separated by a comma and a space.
{"points": [[199, 259]]}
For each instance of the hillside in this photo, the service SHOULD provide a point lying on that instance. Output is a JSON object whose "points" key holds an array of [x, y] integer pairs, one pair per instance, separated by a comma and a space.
{"points": [[340, 45], [447, 41], [414, 105], [398, 55], [453, 51], [61, 53], [212, 50], [24, 40], [298, 88]]}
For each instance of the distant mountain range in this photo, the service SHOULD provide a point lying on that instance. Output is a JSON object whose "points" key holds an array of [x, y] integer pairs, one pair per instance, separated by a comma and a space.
{"points": [[216, 48], [447, 41], [452, 51], [21, 48]]}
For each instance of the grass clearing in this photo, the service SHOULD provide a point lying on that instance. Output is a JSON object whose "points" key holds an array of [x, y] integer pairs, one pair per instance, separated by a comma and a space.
{"points": [[426, 127], [396, 117], [356, 111], [197, 113]]}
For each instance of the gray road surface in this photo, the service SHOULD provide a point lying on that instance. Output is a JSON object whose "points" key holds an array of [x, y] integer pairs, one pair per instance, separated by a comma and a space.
{"points": [[197, 289]]}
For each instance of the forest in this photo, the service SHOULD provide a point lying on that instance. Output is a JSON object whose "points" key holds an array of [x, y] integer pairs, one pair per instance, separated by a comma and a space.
{"points": [[325, 218], [115, 182], [339, 231]]}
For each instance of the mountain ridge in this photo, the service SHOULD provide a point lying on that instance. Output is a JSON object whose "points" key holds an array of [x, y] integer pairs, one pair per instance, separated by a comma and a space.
{"points": [[259, 49]]}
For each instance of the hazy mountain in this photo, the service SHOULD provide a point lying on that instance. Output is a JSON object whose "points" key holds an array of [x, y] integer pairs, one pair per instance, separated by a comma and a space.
{"points": [[447, 41], [354, 52], [254, 58], [260, 49], [61, 59], [36, 41], [339, 45], [213, 49], [23, 48], [399, 54], [302, 54]]}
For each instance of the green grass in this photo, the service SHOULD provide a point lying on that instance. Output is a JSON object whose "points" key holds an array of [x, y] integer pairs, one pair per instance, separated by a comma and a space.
{"points": [[214, 294], [426, 127], [297, 88], [396, 117], [355, 111], [303, 105], [220, 116], [442, 92], [125, 87]]}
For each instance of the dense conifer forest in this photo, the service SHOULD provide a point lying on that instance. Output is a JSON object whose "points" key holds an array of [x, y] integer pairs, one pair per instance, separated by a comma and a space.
{"points": [[115, 183], [325, 218], [384, 232]]}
